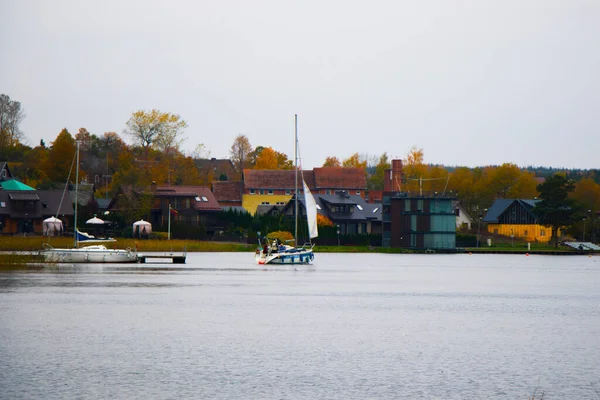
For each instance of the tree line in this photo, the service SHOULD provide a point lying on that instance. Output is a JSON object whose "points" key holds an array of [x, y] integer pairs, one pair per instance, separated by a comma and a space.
{"points": [[156, 155]]}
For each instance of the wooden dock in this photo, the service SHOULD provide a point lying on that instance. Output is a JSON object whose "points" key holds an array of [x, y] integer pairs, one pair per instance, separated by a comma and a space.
{"points": [[175, 258]]}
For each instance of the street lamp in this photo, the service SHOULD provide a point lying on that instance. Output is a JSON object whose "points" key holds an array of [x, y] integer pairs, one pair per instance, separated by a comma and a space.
{"points": [[478, 229], [479, 226], [338, 234], [584, 218]]}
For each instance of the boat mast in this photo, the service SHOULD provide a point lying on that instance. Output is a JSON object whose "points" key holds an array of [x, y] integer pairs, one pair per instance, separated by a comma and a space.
{"points": [[296, 179], [76, 189]]}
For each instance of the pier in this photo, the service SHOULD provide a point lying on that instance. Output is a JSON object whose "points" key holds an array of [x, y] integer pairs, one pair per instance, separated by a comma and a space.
{"points": [[175, 258]]}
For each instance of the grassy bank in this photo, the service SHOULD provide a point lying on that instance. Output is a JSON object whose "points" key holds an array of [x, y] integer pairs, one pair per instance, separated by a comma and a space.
{"points": [[35, 243], [20, 243]]}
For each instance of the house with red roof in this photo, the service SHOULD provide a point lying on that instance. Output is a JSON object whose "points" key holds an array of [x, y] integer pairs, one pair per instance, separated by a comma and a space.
{"points": [[276, 187]]}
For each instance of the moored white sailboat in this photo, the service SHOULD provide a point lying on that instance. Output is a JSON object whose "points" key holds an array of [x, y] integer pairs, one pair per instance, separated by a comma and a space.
{"points": [[97, 253], [270, 252]]}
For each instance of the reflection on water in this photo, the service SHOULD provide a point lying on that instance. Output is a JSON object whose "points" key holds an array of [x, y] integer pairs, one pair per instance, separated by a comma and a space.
{"points": [[350, 327]]}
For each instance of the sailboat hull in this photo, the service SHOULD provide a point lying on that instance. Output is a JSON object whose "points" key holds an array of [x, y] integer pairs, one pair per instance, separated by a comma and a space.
{"points": [[89, 254]]}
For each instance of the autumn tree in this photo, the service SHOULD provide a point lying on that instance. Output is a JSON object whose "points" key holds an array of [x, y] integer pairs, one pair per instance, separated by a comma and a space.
{"points": [[556, 208], [60, 158], [375, 181], [414, 169], [267, 159], [332, 162], [11, 115], [355, 161], [156, 129], [240, 153]]}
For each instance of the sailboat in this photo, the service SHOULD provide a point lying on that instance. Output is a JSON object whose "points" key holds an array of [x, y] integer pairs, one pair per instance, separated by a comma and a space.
{"points": [[96, 253], [272, 252]]}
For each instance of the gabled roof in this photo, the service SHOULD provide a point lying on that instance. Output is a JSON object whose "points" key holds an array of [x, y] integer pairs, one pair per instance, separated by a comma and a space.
{"points": [[227, 191], [270, 209], [501, 205], [458, 205], [340, 178], [276, 178], [13, 184], [4, 167]]}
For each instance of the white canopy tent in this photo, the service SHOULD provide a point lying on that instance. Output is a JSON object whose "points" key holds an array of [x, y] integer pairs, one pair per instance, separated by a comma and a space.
{"points": [[142, 227], [95, 221], [52, 226]]}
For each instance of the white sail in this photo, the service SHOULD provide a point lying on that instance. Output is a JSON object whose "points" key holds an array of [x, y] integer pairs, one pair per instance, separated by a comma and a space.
{"points": [[311, 211]]}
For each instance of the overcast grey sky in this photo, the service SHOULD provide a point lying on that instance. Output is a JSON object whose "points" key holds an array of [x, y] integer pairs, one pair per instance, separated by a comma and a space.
{"points": [[470, 82]]}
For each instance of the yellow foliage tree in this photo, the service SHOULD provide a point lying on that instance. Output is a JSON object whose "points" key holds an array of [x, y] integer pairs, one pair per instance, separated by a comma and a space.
{"points": [[355, 161], [267, 159], [332, 162], [323, 220]]}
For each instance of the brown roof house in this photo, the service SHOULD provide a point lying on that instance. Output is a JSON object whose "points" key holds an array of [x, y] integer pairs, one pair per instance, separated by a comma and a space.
{"points": [[191, 205]]}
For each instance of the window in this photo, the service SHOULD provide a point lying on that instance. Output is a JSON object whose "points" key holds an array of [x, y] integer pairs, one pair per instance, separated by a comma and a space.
{"points": [[2, 204], [288, 191], [328, 191], [187, 203], [359, 207], [97, 179], [271, 192], [280, 203], [197, 198], [204, 198], [526, 232], [542, 232], [358, 192], [252, 191], [265, 203], [375, 210], [318, 207], [261, 191]]}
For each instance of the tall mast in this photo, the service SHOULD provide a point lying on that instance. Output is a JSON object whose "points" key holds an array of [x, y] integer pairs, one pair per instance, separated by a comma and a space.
{"points": [[76, 189], [296, 179]]}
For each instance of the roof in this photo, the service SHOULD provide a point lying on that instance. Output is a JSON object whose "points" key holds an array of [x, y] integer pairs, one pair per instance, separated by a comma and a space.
{"points": [[269, 209], [46, 204], [4, 167], [227, 191], [204, 198], [24, 196], [13, 184], [497, 209], [52, 204], [362, 211], [276, 178], [340, 178]]}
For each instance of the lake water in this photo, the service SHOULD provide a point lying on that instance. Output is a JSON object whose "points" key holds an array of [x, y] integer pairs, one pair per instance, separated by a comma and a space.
{"points": [[353, 326]]}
